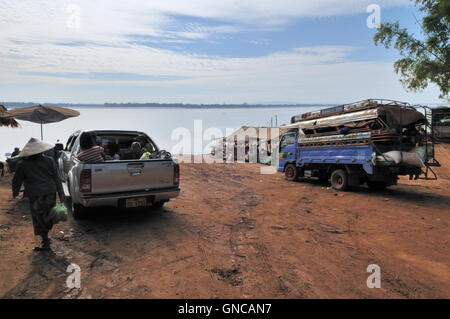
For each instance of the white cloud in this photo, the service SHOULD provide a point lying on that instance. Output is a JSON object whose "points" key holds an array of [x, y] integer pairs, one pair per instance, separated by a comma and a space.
{"points": [[131, 58], [104, 20], [33, 31], [315, 74]]}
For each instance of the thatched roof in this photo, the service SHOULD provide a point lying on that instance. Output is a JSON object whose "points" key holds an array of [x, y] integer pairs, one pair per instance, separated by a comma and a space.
{"points": [[7, 121]]}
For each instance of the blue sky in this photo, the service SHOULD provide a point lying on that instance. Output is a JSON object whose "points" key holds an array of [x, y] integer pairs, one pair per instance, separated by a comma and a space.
{"points": [[199, 51], [303, 32]]}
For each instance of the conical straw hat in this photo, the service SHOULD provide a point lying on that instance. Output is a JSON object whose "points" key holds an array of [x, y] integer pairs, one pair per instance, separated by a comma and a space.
{"points": [[35, 146]]}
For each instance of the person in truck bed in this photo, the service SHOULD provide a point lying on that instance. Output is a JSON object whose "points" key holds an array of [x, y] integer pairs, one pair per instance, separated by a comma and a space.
{"points": [[90, 153], [134, 153], [145, 144]]}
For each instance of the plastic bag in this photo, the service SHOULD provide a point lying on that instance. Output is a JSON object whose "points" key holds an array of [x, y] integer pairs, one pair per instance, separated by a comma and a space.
{"points": [[145, 156], [57, 214]]}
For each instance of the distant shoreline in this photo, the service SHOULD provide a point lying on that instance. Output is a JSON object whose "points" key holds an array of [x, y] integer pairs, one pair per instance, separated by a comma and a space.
{"points": [[13, 105]]}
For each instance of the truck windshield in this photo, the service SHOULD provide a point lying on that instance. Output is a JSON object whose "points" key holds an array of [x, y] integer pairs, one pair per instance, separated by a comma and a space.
{"points": [[288, 139]]}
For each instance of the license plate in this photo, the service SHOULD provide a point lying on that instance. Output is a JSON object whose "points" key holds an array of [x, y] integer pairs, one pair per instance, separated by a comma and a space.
{"points": [[136, 202]]}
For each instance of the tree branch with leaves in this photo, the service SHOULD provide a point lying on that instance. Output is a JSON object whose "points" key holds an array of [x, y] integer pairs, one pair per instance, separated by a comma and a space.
{"points": [[422, 61]]}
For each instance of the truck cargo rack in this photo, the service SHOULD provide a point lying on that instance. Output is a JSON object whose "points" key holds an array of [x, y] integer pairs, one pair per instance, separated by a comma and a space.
{"points": [[429, 142], [348, 108]]}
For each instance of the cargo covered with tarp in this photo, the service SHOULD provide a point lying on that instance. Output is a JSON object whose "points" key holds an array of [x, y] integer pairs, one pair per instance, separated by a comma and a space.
{"points": [[400, 117], [392, 116]]}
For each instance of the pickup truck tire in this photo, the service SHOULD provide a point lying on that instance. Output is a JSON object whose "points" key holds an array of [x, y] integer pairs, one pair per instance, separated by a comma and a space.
{"points": [[291, 172], [158, 205], [78, 211], [339, 180], [377, 185]]}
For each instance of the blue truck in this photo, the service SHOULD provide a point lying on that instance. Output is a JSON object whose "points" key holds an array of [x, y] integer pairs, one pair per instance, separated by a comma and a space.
{"points": [[372, 142]]}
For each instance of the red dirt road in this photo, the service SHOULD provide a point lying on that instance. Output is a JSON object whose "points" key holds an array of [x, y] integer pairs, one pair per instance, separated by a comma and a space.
{"points": [[234, 233]]}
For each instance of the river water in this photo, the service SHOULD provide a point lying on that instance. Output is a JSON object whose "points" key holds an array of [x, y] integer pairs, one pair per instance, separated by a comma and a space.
{"points": [[160, 124]]}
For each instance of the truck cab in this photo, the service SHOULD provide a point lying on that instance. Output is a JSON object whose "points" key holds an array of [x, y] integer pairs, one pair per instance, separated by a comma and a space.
{"points": [[288, 152]]}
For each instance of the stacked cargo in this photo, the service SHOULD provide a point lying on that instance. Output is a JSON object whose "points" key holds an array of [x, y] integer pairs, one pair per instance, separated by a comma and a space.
{"points": [[393, 124]]}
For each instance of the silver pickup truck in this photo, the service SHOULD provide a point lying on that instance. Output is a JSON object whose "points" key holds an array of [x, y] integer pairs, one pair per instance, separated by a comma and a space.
{"points": [[119, 183]]}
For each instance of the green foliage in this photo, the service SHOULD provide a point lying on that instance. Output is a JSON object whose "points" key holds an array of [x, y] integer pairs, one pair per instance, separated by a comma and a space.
{"points": [[427, 60]]}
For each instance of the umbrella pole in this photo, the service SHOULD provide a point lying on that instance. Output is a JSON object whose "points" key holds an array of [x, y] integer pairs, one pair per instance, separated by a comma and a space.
{"points": [[42, 134]]}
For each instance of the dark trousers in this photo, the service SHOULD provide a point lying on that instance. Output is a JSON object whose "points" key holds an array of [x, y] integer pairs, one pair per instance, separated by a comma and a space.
{"points": [[40, 206]]}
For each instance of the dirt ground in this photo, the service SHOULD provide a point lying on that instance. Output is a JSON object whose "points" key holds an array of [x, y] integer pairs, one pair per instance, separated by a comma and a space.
{"points": [[234, 233]]}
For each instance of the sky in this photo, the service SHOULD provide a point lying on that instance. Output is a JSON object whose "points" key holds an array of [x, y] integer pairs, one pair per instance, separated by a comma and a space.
{"points": [[200, 51]]}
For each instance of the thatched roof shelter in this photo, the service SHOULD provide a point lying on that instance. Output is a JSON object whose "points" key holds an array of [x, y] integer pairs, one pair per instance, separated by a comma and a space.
{"points": [[7, 121]]}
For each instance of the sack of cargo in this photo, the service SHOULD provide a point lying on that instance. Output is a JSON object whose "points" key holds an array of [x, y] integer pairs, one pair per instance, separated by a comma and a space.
{"points": [[411, 158], [421, 151]]}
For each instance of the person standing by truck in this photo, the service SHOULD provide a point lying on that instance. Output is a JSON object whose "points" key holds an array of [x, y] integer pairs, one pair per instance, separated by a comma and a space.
{"points": [[40, 178]]}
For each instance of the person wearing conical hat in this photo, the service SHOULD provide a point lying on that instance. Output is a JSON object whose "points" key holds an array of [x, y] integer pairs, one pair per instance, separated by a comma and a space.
{"points": [[39, 176]]}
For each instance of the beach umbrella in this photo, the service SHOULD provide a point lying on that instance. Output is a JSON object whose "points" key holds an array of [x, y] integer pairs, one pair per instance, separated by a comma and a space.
{"points": [[43, 114], [6, 119]]}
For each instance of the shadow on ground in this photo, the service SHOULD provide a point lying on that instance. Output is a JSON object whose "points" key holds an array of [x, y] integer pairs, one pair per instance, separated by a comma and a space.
{"points": [[111, 218], [48, 271], [402, 192]]}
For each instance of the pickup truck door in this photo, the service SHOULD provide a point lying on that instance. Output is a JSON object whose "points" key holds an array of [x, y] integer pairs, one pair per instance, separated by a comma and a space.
{"points": [[65, 161], [287, 149]]}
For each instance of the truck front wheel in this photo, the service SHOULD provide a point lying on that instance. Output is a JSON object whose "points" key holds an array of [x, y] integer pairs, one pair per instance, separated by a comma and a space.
{"points": [[339, 180], [291, 172]]}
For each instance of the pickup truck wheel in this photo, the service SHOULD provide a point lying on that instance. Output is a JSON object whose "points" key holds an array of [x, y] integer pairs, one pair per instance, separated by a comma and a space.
{"points": [[158, 205], [78, 211], [377, 185], [291, 172], [339, 180]]}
